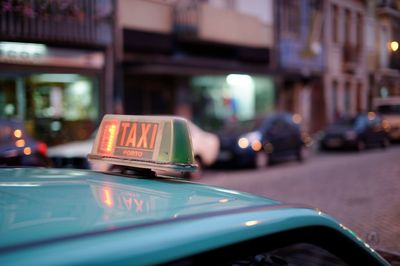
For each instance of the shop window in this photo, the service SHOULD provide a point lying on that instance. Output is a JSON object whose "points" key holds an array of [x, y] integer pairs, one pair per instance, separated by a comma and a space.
{"points": [[62, 107], [8, 98], [218, 100]]}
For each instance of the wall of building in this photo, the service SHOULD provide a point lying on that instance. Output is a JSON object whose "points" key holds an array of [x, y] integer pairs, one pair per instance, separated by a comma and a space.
{"points": [[346, 79]]}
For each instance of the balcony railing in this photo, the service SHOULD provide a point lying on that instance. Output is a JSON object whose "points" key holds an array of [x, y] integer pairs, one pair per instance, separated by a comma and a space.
{"points": [[196, 19], [71, 21]]}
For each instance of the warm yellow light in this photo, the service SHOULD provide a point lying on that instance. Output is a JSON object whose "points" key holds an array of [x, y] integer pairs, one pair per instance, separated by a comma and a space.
{"points": [[112, 132], [20, 143], [386, 125], [243, 143], [17, 133], [394, 46], [251, 223], [27, 151], [371, 115], [297, 118], [256, 145]]}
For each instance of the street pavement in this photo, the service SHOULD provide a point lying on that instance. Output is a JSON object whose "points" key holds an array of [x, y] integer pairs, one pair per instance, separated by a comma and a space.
{"points": [[360, 189]]}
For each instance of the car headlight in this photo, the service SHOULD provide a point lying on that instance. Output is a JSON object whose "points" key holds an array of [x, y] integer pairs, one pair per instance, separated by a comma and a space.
{"points": [[252, 139], [351, 135], [243, 142]]}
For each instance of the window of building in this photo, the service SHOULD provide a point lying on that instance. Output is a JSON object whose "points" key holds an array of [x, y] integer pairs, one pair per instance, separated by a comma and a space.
{"points": [[335, 110], [359, 98], [347, 98], [290, 17], [335, 23], [360, 31], [347, 26], [384, 39]]}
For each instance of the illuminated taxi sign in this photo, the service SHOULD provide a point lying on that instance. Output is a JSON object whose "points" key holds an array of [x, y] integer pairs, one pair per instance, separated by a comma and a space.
{"points": [[159, 143]]}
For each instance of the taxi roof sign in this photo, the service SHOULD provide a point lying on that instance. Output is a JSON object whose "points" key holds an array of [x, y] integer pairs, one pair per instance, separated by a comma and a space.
{"points": [[159, 143]]}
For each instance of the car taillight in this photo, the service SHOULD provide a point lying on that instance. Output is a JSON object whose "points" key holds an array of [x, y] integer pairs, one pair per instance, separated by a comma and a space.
{"points": [[42, 148]]}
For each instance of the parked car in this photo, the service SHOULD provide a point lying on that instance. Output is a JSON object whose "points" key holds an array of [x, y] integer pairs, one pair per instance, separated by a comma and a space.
{"points": [[18, 148], [389, 109], [147, 215], [73, 154], [259, 142], [356, 132], [205, 148]]}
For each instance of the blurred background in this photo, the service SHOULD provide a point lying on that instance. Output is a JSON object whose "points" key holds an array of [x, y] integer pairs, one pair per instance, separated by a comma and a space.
{"points": [[65, 63], [261, 80]]}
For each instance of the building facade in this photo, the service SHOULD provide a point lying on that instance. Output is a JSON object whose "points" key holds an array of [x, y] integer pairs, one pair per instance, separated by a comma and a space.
{"points": [[323, 63], [383, 38], [346, 79], [54, 60], [301, 59], [210, 61]]}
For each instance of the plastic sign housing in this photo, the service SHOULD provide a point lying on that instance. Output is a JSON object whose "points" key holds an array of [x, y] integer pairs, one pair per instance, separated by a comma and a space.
{"points": [[159, 143]]}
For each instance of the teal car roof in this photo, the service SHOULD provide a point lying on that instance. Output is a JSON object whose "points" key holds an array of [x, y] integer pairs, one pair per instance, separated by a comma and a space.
{"points": [[48, 215], [42, 204]]}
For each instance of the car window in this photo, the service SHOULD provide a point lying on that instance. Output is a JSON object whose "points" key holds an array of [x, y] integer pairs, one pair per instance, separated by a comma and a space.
{"points": [[305, 246], [296, 254], [361, 122], [279, 127]]}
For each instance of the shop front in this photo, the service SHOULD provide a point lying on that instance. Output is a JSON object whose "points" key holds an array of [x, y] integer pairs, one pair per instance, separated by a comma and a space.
{"points": [[223, 99], [55, 91]]}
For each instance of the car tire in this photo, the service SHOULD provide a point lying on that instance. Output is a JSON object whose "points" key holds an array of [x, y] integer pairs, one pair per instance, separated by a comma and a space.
{"points": [[261, 160], [361, 145], [385, 143]]}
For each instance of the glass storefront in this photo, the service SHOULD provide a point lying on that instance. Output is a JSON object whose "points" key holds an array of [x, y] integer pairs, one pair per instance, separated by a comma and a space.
{"points": [[222, 99], [56, 108]]}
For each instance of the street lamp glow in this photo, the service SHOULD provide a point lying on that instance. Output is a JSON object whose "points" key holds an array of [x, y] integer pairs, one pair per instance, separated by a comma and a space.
{"points": [[394, 46]]}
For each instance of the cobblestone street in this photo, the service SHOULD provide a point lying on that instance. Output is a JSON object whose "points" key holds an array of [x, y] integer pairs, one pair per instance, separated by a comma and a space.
{"points": [[361, 190]]}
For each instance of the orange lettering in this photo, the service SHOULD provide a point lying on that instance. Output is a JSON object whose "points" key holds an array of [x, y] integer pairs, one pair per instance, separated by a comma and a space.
{"points": [[153, 136], [131, 140], [132, 153], [124, 126], [143, 138]]}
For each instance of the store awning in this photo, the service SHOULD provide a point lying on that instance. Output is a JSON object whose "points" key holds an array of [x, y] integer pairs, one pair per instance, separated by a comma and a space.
{"points": [[186, 65]]}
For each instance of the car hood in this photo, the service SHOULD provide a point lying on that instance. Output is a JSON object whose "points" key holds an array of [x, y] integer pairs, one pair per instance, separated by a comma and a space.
{"points": [[72, 149], [41, 204]]}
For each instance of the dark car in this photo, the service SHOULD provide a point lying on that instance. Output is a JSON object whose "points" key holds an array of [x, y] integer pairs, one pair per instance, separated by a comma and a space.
{"points": [[18, 148], [356, 132], [259, 142]]}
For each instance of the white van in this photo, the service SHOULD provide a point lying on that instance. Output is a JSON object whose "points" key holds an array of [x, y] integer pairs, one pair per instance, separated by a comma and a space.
{"points": [[389, 108]]}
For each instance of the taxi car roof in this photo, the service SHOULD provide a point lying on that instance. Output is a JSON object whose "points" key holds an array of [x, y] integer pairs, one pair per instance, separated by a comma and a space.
{"points": [[117, 219], [79, 201]]}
